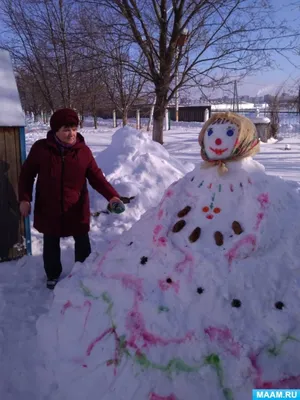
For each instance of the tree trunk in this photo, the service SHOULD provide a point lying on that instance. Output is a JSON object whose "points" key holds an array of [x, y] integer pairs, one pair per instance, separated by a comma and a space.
{"points": [[81, 120], [36, 116], [158, 118], [125, 117], [95, 122]]}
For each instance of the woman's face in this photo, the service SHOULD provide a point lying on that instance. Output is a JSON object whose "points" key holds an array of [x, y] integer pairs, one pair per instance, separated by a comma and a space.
{"points": [[67, 134]]}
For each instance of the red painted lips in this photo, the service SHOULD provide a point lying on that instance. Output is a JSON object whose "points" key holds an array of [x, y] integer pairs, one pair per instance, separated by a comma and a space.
{"points": [[219, 152]]}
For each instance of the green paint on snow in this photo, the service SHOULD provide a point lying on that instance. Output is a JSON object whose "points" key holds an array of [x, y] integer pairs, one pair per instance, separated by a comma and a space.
{"points": [[201, 184], [107, 299], [228, 394], [220, 187], [121, 350], [174, 365], [163, 309], [212, 201], [87, 292], [214, 361], [275, 350]]}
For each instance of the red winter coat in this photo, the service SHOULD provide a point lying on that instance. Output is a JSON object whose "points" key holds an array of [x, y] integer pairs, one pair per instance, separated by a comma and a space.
{"points": [[62, 201]]}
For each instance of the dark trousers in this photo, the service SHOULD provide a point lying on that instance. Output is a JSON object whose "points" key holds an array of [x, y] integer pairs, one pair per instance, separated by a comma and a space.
{"points": [[51, 253]]}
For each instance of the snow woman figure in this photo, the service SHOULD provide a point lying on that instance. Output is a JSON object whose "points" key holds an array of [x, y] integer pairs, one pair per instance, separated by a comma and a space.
{"points": [[227, 137], [199, 299]]}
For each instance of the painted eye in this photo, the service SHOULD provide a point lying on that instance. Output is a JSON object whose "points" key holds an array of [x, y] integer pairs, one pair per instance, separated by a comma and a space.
{"points": [[230, 132], [210, 132]]}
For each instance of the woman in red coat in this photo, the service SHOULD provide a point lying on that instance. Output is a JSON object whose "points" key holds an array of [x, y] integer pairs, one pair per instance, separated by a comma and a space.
{"points": [[63, 163]]}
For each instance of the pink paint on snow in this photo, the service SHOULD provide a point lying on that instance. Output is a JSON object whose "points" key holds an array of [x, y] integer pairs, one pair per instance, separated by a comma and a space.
{"points": [[67, 305], [169, 193], [286, 383], [157, 230], [166, 286], [97, 340], [135, 324], [225, 339], [130, 282], [161, 241], [188, 261], [259, 219], [233, 253], [264, 201], [254, 362], [250, 181], [259, 383], [154, 396], [103, 258], [87, 304], [160, 214]]}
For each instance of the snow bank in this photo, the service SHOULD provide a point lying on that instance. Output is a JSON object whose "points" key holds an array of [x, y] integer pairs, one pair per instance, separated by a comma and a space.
{"points": [[260, 120], [136, 166], [168, 311]]}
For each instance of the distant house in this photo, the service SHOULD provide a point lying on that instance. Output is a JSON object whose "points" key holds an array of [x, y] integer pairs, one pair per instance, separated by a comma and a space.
{"points": [[14, 230]]}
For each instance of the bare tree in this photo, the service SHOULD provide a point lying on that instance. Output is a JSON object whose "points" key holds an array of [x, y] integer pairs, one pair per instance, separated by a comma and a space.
{"points": [[41, 42], [226, 39], [274, 116], [31, 97], [123, 85], [274, 103]]}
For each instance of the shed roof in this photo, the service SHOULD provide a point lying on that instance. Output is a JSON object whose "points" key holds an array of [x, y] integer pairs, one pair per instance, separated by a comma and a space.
{"points": [[11, 113]]}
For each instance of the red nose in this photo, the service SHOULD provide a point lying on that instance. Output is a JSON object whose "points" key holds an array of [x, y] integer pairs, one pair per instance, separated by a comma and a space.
{"points": [[218, 142]]}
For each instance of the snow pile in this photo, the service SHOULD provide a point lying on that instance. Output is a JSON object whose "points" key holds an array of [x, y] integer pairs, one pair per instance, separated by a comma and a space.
{"points": [[137, 167], [201, 295], [260, 120]]}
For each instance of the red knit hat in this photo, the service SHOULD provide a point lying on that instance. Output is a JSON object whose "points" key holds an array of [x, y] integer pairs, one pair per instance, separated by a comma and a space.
{"points": [[62, 117]]}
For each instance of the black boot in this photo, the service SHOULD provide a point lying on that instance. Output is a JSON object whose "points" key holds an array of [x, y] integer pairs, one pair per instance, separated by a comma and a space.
{"points": [[51, 283], [52, 263]]}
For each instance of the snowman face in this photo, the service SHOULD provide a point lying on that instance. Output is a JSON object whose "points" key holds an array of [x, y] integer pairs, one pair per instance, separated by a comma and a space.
{"points": [[220, 139]]}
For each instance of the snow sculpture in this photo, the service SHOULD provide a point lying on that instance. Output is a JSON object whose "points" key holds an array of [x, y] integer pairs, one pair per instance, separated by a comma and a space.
{"points": [[199, 299]]}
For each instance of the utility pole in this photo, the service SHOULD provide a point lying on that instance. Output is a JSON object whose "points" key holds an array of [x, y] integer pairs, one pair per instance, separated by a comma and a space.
{"points": [[235, 106]]}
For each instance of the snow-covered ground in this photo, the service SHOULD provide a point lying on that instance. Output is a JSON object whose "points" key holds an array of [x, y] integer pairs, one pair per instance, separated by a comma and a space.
{"points": [[137, 167]]}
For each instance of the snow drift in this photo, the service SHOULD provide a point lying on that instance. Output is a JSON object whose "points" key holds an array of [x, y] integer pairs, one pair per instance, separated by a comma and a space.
{"points": [[137, 167]]}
